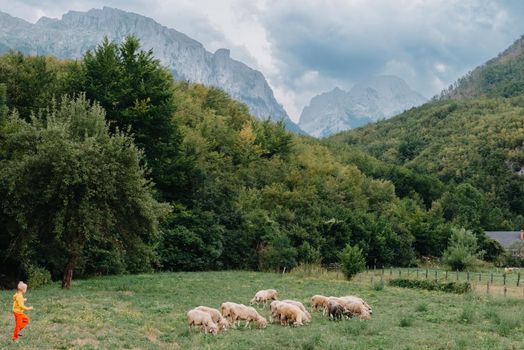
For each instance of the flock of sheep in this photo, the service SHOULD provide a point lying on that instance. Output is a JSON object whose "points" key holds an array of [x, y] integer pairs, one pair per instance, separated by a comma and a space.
{"points": [[284, 311]]}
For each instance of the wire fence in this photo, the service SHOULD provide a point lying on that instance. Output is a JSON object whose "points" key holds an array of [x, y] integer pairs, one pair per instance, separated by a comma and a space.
{"points": [[497, 282]]}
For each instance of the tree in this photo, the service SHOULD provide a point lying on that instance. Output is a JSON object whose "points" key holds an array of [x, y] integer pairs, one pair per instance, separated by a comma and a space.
{"points": [[69, 181], [462, 250], [352, 260], [137, 93]]}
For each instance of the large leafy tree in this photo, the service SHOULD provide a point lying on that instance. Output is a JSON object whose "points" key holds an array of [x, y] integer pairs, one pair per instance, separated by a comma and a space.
{"points": [[67, 181], [137, 93]]}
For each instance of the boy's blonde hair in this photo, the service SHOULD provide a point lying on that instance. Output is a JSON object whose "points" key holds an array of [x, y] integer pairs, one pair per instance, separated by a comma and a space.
{"points": [[22, 286]]}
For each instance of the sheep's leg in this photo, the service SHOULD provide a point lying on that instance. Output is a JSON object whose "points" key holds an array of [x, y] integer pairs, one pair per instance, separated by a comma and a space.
{"points": [[247, 323]]}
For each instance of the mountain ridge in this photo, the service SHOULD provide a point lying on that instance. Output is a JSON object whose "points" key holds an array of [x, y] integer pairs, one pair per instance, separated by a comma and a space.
{"points": [[76, 32]]}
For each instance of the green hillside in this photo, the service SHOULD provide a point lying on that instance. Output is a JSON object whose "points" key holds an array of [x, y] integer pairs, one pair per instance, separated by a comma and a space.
{"points": [[501, 76], [474, 135]]}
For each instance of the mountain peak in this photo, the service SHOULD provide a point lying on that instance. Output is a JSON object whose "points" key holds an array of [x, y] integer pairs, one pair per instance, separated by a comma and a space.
{"points": [[76, 32], [370, 100]]}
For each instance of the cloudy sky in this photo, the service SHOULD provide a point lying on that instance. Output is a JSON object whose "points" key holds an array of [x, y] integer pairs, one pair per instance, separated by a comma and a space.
{"points": [[305, 47]]}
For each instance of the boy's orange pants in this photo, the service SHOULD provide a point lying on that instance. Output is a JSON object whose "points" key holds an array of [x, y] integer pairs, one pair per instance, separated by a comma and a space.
{"points": [[21, 320]]}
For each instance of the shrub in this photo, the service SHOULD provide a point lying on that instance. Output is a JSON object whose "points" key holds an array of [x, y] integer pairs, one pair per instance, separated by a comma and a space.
{"points": [[462, 250], [448, 287], [406, 321], [38, 277], [352, 261], [378, 286], [422, 307]]}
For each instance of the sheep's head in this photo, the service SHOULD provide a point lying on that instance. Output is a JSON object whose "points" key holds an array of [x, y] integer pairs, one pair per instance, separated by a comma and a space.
{"points": [[223, 324], [213, 329], [261, 322]]}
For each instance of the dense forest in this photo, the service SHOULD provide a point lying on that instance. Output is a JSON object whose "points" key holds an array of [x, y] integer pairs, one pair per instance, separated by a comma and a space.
{"points": [[108, 165]]}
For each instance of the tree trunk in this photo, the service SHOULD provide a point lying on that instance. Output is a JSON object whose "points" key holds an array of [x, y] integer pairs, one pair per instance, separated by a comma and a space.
{"points": [[68, 272]]}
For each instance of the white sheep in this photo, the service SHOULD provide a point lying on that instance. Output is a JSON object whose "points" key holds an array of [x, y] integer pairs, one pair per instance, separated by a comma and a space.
{"points": [[262, 296], [352, 298], [289, 312], [203, 319], [240, 312], [221, 322], [319, 302], [307, 315]]}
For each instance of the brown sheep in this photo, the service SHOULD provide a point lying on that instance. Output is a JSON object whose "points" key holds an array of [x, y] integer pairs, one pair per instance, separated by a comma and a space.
{"points": [[225, 309], [221, 322], [335, 310], [359, 309], [203, 319], [352, 298]]}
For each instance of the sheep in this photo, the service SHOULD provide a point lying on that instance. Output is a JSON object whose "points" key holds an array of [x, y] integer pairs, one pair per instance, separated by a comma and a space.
{"points": [[307, 315], [290, 312], [352, 298], [263, 296], [335, 310], [358, 308], [319, 301], [508, 269], [203, 319], [242, 312], [274, 314], [221, 322], [225, 309]]}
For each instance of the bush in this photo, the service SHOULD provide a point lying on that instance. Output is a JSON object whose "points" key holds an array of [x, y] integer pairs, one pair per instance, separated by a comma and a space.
{"points": [[352, 261], [448, 287], [462, 250], [38, 277]]}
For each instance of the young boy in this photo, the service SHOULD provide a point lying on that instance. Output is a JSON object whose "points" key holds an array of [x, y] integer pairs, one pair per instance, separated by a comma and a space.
{"points": [[21, 320]]}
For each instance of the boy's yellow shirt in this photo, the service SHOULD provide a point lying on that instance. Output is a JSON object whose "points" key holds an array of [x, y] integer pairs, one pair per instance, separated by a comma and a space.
{"points": [[18, 303]]}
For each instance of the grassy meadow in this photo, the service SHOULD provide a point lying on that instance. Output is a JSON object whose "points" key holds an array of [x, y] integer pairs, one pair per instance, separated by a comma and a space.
{"points": [[149, 312]]}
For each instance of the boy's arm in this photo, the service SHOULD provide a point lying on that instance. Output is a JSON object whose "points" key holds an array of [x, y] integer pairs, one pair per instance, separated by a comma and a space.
{"points": [[20, 299]]}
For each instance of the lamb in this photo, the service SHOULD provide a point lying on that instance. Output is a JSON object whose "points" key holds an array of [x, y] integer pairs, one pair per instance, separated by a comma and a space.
{"points": [[290, 312], [221, 322], [319, 301], [307, 315], [262, 296], [203, 319], [240, 312]]}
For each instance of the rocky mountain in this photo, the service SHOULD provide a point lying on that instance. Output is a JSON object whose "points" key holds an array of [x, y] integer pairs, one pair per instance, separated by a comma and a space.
{"points": [[377, 98], [76, 32]]}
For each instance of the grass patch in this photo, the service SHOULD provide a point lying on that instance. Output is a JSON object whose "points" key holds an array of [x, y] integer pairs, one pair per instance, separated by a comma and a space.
{"points": [[406, 321], [421, 307]]}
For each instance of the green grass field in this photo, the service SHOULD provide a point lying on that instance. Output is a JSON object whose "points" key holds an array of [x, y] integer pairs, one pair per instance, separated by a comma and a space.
{"points": [[149, 312]]}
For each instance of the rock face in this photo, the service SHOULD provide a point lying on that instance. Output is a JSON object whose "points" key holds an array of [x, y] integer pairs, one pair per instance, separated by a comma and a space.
{"points": [[76, 32], [337, 110]]}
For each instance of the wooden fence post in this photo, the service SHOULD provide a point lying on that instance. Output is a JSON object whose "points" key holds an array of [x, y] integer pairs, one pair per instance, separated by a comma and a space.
{"points": [[399, 272], [446, 275], [492, 278], [487, 287], [417, 273], [504, 275], [436, 275], [426, 273], [480, 276], [505, 291], [467, 275], [518, 279], [382, 270], [457, 274]]}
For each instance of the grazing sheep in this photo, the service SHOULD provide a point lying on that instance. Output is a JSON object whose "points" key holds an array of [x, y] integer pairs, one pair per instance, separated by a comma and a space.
{"points": [[352, 298], [225, 309], [359, 309], [274, 313], [319, 301], [203, 319], [307, 315], [335, 310], [221, 322], [290, 312], [262, 296], [508, 269], [241, 312]]}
